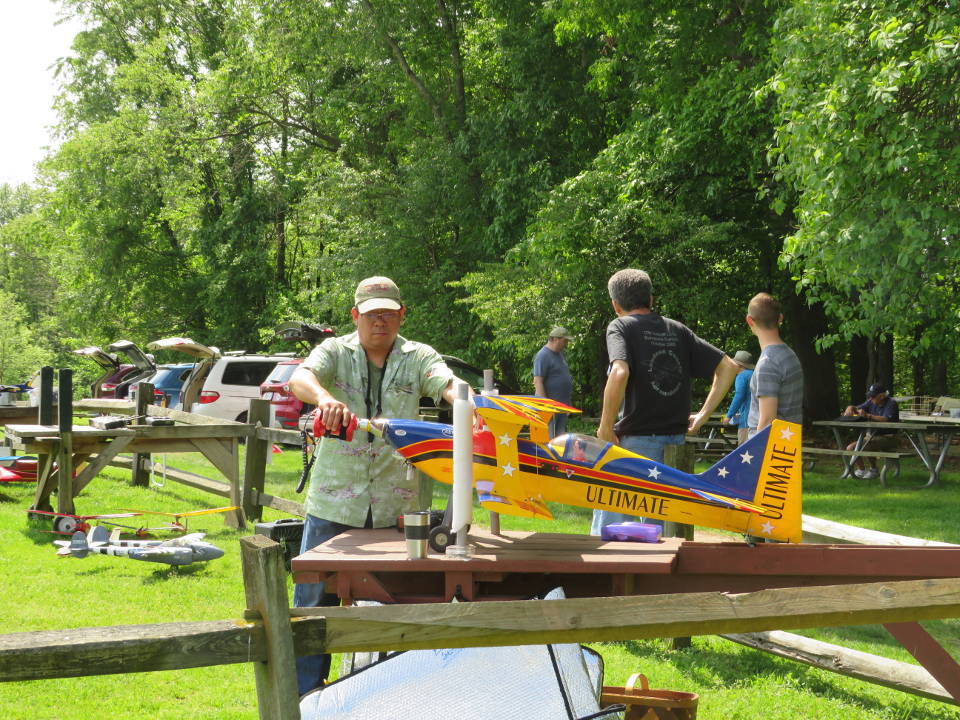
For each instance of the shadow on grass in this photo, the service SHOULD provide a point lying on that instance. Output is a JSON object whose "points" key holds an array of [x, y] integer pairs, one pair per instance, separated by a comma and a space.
{"points": [[170, 572], [718, 668], [41, 536], [91, 570]]}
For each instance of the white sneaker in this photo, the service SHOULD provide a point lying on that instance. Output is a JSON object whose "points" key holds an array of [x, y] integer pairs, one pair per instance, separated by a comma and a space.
{"points": [[871, 474], [857, 472]]}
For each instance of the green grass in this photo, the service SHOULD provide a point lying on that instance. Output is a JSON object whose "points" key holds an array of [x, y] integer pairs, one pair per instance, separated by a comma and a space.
{"points": [[40, 591]]}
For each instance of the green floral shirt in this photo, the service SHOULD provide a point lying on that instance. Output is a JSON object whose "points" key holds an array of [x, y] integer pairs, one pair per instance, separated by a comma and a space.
{"points": [[350, 477]]}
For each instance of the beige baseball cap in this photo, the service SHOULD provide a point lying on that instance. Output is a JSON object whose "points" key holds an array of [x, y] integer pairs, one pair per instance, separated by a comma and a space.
{"points": [[377, 293], [559, 332]]}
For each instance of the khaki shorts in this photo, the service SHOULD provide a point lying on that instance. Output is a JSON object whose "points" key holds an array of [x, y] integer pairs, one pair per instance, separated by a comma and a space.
{"points": [[876, 441]]}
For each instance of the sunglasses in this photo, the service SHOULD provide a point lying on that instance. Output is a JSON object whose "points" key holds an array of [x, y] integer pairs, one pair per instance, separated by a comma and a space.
{"points": [[381, 315]]}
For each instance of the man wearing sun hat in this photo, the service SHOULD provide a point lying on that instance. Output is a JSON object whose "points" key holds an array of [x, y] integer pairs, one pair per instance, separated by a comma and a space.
{"points": [[371, 372], [739, 409], [551, 376]]}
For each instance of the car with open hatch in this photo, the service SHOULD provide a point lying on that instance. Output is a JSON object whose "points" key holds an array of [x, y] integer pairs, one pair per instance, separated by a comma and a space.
{"points": [[221, 384]]}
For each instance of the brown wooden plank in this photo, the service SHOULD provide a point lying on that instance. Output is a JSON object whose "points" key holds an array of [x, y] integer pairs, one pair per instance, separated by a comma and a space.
{"points": [[99, 651], [189, 418], [281, 504], [186, 432], [216, 487], [100, 461], [255, 460], [224, 455], [844, 661], [406, 627], [385, 550], [929, 653], [80, 652], [278, 435], [823, 560]]}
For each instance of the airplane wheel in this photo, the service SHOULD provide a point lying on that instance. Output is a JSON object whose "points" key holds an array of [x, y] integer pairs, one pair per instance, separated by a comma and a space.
{"points": [[65, 524], [439, 539]]}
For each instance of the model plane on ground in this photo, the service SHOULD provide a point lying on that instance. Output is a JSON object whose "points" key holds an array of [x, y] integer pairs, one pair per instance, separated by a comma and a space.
{"points": [[755, 490], [18, 468], [177, 551], [179, 522], [67, 523]]}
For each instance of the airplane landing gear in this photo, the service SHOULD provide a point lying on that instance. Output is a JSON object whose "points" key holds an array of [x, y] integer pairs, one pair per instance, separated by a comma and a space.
{"points": [[440, 538]]}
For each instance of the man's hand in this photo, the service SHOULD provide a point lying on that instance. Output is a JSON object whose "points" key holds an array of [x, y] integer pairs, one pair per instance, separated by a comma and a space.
{"points": [[607, 435], [333, 414], [696, 422]]}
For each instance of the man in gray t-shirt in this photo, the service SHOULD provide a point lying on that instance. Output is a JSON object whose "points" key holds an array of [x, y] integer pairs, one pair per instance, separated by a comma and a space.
{"points": [[777, 382], [551, 376]]}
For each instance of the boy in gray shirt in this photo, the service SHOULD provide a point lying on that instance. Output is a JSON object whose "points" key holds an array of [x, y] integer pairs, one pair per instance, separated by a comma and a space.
{"points": [[777, 382]]}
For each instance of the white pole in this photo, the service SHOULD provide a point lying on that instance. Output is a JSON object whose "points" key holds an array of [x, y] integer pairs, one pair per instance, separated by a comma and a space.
{"points": [[462, 463]]}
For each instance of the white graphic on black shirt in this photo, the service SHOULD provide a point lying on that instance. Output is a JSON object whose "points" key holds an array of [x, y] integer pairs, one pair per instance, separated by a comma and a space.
{"points": [[666, 372]]}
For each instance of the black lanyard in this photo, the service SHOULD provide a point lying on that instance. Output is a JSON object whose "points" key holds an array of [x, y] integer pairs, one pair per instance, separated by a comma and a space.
{"points": [[368, 399]]}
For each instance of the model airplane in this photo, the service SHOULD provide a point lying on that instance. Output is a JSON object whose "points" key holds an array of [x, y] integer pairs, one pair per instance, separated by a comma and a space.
{"points": [[18, 468], [179, 522], [755, 490], [178, 551], [67, 524]]}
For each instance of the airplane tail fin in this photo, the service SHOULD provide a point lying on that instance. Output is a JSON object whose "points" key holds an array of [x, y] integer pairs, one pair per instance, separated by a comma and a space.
{"points": [[765, 475], [78, 547]]}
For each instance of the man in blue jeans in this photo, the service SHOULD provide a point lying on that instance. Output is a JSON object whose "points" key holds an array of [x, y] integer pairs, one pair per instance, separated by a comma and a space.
{"points": [[653, 360], [361, 483]]}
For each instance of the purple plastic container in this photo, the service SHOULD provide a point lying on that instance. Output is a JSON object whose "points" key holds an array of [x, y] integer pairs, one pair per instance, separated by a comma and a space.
{"points": [[631, 532]]}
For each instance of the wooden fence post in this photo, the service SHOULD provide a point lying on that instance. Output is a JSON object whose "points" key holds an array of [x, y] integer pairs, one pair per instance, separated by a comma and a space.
{"points": [[142, 461], [265, 587], [41, 499], [65, 459], [255, 463], [682, 458]]}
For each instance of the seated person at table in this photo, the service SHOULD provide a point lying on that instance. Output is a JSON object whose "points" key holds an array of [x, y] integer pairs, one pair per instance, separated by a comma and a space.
{"points": [[878, 407]]}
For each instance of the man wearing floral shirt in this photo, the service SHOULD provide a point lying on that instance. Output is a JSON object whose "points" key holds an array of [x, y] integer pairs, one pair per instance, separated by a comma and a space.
{"points": [[372, 372]]}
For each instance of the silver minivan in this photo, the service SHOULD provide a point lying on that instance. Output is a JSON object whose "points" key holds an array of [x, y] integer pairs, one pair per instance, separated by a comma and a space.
{"points": [[221, 384]]}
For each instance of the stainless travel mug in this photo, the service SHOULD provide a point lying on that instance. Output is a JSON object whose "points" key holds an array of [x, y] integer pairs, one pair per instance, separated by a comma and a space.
{"points": [[416, 528]]}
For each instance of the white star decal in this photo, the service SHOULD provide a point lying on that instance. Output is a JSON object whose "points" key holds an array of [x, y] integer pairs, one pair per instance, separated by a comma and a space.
{"points": [[505, 439], [767, 528], [723, 472], [508, 469], [746, 457], [787, 434], [654, 473]]}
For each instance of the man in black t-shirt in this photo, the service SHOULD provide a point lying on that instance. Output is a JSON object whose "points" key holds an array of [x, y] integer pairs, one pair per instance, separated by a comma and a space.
{"points": [[653, 360]]}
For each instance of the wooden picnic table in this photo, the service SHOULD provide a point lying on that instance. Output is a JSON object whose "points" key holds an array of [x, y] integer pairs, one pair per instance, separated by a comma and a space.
{"points": [[90, 450], [373, 565], [715, 437], [916, 433]]}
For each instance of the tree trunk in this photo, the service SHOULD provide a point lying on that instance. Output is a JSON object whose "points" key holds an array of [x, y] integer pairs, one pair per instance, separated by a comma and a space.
{"points": [[884, 374], [859, 369], [820, 388]]}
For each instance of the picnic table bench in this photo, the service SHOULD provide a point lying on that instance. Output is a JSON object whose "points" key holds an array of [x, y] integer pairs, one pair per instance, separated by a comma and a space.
{"points": [[891, 460], [717, 442]]}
